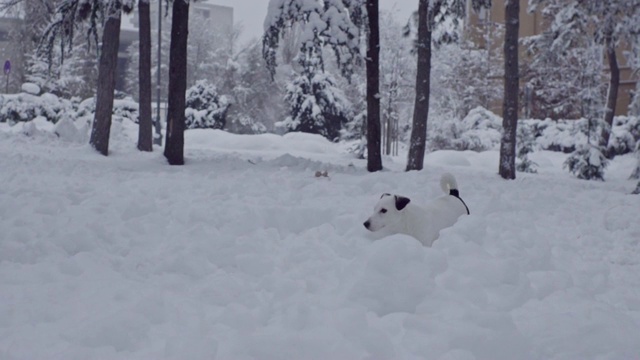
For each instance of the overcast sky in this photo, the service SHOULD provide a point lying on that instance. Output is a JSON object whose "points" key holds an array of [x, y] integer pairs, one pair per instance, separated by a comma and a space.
{"points": [[251, 13]]}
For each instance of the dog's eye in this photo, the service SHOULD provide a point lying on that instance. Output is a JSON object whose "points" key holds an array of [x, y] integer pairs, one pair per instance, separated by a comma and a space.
{"points": [[383, 211]]}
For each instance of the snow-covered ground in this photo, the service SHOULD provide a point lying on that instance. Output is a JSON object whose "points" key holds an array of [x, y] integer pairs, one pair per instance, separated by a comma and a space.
{"points": [[244, 254]]}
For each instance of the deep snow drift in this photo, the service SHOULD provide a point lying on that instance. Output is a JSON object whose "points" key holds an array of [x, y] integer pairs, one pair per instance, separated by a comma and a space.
{"points": [[244, 254]]}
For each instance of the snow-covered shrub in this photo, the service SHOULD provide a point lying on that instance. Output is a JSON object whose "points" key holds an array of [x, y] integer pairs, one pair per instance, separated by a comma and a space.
{"points": [[205, 108], [625, 133], [587, 162], [123, 109], [480, 130], [559, 135], [244, 124], [316, 106], [525, 145], [25, 107]]}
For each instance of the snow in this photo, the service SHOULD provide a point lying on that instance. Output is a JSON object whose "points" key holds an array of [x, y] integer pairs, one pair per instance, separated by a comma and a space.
{"points": [[244, 254], [31, 88]]}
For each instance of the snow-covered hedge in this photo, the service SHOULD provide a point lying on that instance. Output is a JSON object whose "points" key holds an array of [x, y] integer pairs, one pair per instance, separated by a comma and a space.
{"points": [[480, 130], [205, 108], [123, 109], [568, 135], [24, 107]]}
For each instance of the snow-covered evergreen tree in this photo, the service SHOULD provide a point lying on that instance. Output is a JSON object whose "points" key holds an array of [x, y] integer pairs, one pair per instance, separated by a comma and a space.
{"points": [[316, 105], [524, 146], [331, 23], [588, 160], [205, 108]]}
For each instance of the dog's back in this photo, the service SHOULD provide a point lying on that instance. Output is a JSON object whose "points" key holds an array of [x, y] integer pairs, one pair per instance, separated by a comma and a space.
{"points": [[442, 212]]}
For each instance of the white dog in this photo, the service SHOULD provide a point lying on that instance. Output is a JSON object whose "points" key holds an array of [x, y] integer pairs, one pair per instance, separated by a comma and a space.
{"points": [[397, 214]]}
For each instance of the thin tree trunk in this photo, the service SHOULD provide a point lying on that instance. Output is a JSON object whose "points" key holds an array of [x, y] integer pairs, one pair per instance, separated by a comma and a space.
{"points": [[612, 94], [636, 171], [145, 136], [507, 167], [418, 140], [157, 139], [174, 144], [107, 69], [374, 159]]}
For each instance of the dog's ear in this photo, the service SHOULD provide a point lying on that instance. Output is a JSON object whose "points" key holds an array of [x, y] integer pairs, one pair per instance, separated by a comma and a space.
{"points": [[385, 194], [401, 202]]}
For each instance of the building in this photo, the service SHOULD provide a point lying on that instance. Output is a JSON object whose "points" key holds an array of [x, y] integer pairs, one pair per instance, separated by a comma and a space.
{"points": [[485, 29]]}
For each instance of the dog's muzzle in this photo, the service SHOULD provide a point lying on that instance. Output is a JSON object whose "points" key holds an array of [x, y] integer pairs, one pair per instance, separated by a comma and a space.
{"points": [[367, 224]]}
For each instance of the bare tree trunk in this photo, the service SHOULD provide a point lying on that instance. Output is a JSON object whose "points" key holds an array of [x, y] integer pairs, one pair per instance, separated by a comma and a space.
{"points": [[174, 144], [507, 167], [388, 131], [107, 70], [374, 159], [636, 171], [145, 136], [418, 140], [612, 94], [157, 124]]}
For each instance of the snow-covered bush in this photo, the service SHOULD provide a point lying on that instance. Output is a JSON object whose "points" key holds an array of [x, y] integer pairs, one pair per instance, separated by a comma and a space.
{"points": [[244, 124], [25, 107], [559, 135], [625, 133], [205, 108], [316, 106], [567, 135], [587, 162], [480, 130], [123, 109]]}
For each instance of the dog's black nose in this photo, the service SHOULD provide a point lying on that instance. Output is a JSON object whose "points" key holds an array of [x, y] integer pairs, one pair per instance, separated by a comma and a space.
{"points": [[366, 224]]}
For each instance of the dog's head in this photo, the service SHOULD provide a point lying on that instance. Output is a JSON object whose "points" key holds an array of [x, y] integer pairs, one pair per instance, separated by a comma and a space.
{"points": [[387, 212]]}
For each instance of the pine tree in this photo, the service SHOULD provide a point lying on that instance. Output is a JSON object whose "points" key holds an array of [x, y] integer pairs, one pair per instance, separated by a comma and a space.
{"points": [[145, 136], [374, 160], [507, 166], [331, 24], [174, 144]]}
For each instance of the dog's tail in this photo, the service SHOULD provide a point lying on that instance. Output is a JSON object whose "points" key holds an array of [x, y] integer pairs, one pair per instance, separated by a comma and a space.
{"points": [[448, 183]]}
